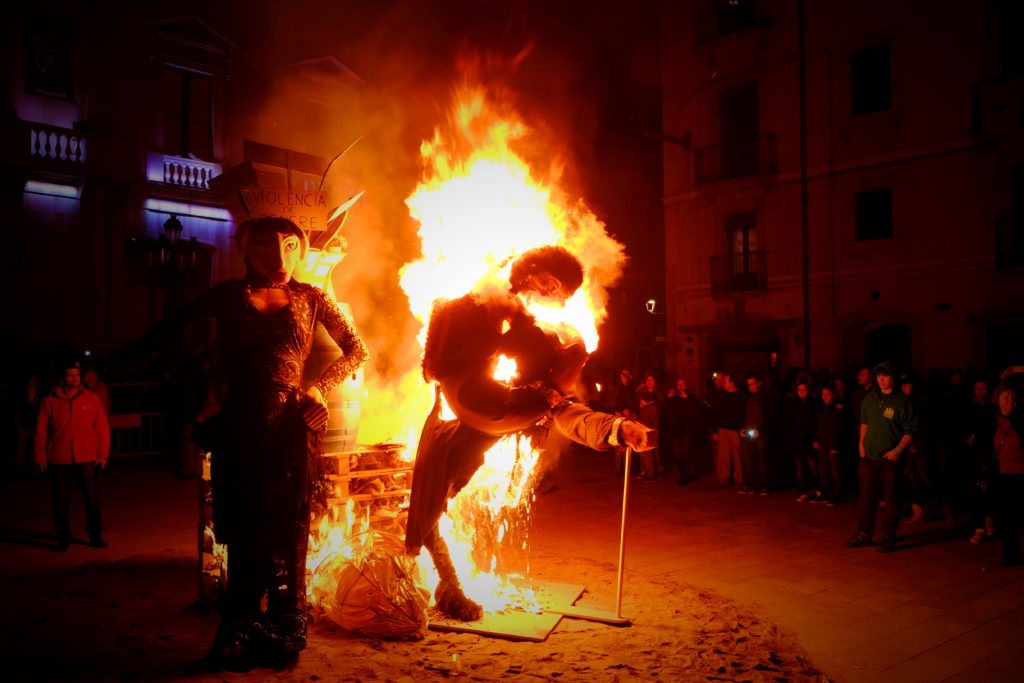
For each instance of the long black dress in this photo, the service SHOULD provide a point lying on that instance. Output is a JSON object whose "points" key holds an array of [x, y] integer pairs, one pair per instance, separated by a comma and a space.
{"points": [[262, 454]]}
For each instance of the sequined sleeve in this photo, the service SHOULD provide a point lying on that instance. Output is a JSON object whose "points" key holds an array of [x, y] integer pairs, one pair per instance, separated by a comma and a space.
{"points": [[353, 350]]}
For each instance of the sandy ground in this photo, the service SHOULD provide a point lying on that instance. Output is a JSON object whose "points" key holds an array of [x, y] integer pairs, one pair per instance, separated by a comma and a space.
{"points": [[136, 619]]}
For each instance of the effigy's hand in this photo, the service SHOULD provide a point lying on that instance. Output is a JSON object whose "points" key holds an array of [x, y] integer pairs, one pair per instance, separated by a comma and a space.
{"points": [[637, 436], [314, 414]]}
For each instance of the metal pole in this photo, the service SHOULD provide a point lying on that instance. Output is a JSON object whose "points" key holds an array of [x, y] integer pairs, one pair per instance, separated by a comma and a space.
{"points": [[622, 536]]}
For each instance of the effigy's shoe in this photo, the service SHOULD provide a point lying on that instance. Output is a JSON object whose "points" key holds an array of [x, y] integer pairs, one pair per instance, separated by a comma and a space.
{"points": [[452, 602]]}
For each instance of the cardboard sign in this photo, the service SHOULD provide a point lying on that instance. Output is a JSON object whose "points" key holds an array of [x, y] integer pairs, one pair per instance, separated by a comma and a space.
{"points": [[307, 208]]}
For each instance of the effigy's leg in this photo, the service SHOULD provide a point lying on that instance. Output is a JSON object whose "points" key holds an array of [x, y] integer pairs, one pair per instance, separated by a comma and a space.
{"points": [[451, 601]]}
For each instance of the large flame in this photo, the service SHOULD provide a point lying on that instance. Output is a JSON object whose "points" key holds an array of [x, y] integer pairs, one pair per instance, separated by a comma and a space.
{"points": [[487, 529], [479, 212], [479, 206]]}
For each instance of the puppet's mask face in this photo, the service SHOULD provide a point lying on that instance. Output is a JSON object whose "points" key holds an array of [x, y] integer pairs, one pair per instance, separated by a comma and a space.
{"points": [[274, 255]]}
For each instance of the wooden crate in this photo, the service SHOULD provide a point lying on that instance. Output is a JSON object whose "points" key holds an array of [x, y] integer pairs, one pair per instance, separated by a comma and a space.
{"points": [[376, 479]]}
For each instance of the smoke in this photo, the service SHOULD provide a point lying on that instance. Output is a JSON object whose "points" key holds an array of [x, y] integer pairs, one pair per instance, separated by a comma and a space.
{"points": [[406, 60]]}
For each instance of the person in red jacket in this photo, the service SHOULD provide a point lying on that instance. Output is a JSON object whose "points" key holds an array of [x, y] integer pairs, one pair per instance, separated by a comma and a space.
{"points": [[73, 442]]}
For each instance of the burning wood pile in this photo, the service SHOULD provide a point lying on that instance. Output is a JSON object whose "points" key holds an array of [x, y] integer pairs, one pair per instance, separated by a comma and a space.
{"points": [[376, 477], [358, 575]]}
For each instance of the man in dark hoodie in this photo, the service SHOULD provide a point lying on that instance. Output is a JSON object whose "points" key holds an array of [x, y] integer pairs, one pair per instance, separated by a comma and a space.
{"points": [[887, 426]]}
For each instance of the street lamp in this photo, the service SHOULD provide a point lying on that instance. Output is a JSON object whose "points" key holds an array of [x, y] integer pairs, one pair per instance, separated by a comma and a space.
{"points": [[164, 246], [175, 269], [169, 259], [173, 228]]}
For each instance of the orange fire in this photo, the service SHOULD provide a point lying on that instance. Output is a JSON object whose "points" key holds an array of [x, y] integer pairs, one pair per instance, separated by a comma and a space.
{"points": [[477, 213], [479, 206]]}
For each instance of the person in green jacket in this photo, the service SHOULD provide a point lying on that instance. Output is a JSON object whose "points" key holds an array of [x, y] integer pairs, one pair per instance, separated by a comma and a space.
{"points": [[887, 425]]}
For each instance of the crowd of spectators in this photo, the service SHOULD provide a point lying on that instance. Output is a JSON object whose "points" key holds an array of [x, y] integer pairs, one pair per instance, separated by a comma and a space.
{"points": [[798, 432], [788, 432]]}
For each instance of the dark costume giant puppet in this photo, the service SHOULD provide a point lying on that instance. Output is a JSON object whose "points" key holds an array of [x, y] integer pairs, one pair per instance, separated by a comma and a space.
{"points": [[465, 338], [264, 441]]}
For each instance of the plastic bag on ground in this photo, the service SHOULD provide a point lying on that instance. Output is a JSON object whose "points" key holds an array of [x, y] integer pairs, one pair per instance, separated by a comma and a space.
{"points": [[374, 593]]}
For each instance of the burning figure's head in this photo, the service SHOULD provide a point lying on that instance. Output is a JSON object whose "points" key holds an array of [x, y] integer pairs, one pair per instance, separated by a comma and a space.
{"points": [[549, 272]]}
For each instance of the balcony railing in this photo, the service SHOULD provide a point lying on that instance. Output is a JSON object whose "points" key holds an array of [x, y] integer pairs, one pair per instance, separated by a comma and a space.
{"points": [[50, 142], [69, 151], [188, 174], [743, 272], [718, 162]]}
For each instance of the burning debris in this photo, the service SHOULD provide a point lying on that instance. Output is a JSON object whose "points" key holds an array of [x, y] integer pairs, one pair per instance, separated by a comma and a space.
{"points": [[374, 592], [377, 477]]}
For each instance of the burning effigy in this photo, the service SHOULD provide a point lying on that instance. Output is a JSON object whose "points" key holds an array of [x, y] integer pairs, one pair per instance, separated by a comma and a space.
{"points": [[466, 338]]}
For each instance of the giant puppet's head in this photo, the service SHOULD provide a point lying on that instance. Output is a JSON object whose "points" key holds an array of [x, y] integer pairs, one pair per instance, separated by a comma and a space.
{"points": [[272, 247]]}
